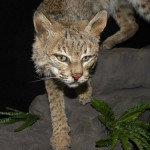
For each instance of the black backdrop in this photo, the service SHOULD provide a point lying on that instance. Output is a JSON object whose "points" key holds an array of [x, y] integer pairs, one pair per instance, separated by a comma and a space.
{"points": [[17, 73]]}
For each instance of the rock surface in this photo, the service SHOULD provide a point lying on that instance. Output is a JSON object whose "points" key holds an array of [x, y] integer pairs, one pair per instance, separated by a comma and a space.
{"points": [[122, 79], [122, 68]]}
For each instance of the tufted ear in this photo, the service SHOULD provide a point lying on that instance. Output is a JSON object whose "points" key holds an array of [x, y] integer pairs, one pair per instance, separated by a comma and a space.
{"points": [[41, 24], [97, 24], [45, 27]]}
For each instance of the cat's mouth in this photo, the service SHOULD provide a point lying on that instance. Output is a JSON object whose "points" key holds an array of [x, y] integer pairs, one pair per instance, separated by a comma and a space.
{"points": [[73, 85]]}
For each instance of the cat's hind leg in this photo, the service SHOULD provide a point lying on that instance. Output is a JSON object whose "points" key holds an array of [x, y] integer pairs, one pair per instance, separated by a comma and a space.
{"points": [[124, 17], [142, 7]]}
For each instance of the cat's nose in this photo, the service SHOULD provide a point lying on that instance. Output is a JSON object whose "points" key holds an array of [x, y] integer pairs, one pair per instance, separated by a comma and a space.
{"points": [[76, 76]]}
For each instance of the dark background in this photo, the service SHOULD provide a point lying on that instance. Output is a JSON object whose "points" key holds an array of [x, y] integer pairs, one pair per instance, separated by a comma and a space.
{"points": [[17, 73]]}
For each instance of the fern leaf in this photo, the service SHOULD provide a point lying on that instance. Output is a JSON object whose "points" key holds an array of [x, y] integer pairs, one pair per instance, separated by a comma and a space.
{"points": [[141, 123], [28, 122], [104, 109], [138, 130], [135, 137], [14, 110], [115, 138], [102, 143], [21, 116], [9, 120], [10, 113], [146, 146], [130, 118], [101, 118], [132, 113], [139, 137], [16, 116], [125, 143], [138, 143]]}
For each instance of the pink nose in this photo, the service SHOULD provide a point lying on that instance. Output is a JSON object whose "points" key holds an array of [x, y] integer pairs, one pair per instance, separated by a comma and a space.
{"points": [[76, 76]]}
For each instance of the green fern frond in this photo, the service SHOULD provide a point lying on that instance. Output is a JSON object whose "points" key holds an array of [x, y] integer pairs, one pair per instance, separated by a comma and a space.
{"points": [[10, 113], [13, 110], [133, 113], [134, 136], [141, 123], [9, 120], [16, 116], [139, 130], [115, 138], [102, 119], [22, 116], [131, 134], [142, 139], [127, 127], [138, 143], [104, 109], [129, 118], [103, 142], [146, 146], [28, 122], [125, 143]]}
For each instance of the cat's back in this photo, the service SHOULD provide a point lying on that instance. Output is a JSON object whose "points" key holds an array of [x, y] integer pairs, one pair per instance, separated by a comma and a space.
{"points": [[75, 9]]}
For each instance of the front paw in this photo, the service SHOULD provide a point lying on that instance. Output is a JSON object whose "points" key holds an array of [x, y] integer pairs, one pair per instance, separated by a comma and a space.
{"points": [[85, 94], [60, 141], [106, 45], [85, 98]]}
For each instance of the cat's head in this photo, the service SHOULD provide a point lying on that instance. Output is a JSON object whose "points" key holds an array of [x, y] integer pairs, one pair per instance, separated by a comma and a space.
{"points": [[67, 51]]}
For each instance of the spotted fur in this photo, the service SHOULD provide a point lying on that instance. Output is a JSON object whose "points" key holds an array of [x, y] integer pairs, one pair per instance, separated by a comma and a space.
{"points": [[124, 17]]}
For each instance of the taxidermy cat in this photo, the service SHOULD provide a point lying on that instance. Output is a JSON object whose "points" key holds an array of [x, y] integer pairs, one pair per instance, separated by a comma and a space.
{"points": [[66, 49]]}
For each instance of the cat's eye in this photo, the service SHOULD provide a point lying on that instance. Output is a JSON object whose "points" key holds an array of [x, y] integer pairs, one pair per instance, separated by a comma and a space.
{"points": [[62, 58], [86, 58]]}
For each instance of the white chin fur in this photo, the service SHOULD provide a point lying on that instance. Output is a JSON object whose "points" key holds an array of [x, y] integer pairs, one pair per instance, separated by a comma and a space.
{"points": [[74, 85]]}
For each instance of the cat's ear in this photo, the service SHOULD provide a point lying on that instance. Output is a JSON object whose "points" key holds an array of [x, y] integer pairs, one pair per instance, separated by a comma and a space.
{"points": [[45, 27], [41, 24], [97, 24]]}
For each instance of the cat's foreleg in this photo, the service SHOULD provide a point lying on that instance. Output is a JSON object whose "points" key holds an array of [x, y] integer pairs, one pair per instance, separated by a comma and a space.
{"points": [[60, 139], [125, 19], [85, 92]]}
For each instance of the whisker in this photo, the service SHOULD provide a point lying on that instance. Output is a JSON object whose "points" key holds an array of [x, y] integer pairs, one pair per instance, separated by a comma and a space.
{"points": [[57, 81], [45, 78], [37, 80]]}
